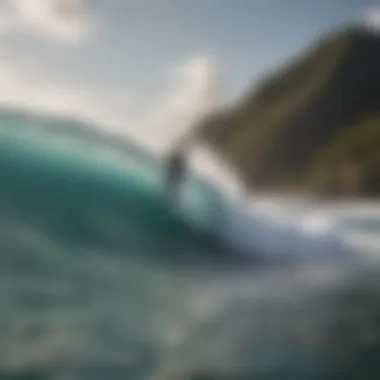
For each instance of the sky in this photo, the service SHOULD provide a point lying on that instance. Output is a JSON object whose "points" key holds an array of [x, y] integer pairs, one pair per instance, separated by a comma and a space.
{"points": [[151, 68]]}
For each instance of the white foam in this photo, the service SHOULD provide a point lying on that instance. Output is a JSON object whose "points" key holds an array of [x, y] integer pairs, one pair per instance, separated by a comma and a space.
{"points": [[279, 229]]}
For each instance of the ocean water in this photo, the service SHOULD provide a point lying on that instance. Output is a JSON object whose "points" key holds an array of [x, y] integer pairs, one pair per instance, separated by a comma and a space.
{"points": [[102, 278]]}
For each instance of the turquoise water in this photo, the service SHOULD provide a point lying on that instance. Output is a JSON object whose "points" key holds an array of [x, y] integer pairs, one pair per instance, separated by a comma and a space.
{"points": [[86, 192], [101, 278]]}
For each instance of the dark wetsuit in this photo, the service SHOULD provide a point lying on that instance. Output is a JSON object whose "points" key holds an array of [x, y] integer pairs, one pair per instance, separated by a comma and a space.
{"points": [[176, 165]]}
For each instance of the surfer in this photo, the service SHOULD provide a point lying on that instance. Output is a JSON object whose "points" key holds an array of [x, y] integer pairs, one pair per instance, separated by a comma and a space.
{"points": [[176, 166], [176, 162]]}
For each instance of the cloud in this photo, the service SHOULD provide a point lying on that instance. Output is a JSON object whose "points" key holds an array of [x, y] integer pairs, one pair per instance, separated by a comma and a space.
{"points": [[58, 19], [371, 18]]}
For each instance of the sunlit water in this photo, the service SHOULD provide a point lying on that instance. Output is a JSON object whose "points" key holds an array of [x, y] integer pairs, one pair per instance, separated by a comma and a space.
{"points": [[101, 278]]}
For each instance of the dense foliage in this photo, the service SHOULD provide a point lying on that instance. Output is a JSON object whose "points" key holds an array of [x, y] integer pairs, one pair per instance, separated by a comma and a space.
{"points": [[315, 115]]}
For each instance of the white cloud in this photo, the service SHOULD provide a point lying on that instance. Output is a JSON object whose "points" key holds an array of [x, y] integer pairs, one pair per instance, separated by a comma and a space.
{"points": [[59, 19], [371, 18]]}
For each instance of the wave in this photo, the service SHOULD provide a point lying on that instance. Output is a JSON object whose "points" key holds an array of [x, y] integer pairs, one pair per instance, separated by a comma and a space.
{"points": [[81, 174], [86, 188], [88, 286]]}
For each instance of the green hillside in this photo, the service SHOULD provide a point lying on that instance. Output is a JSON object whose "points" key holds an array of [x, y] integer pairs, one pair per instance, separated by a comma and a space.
{"points": [[310, 124]]}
